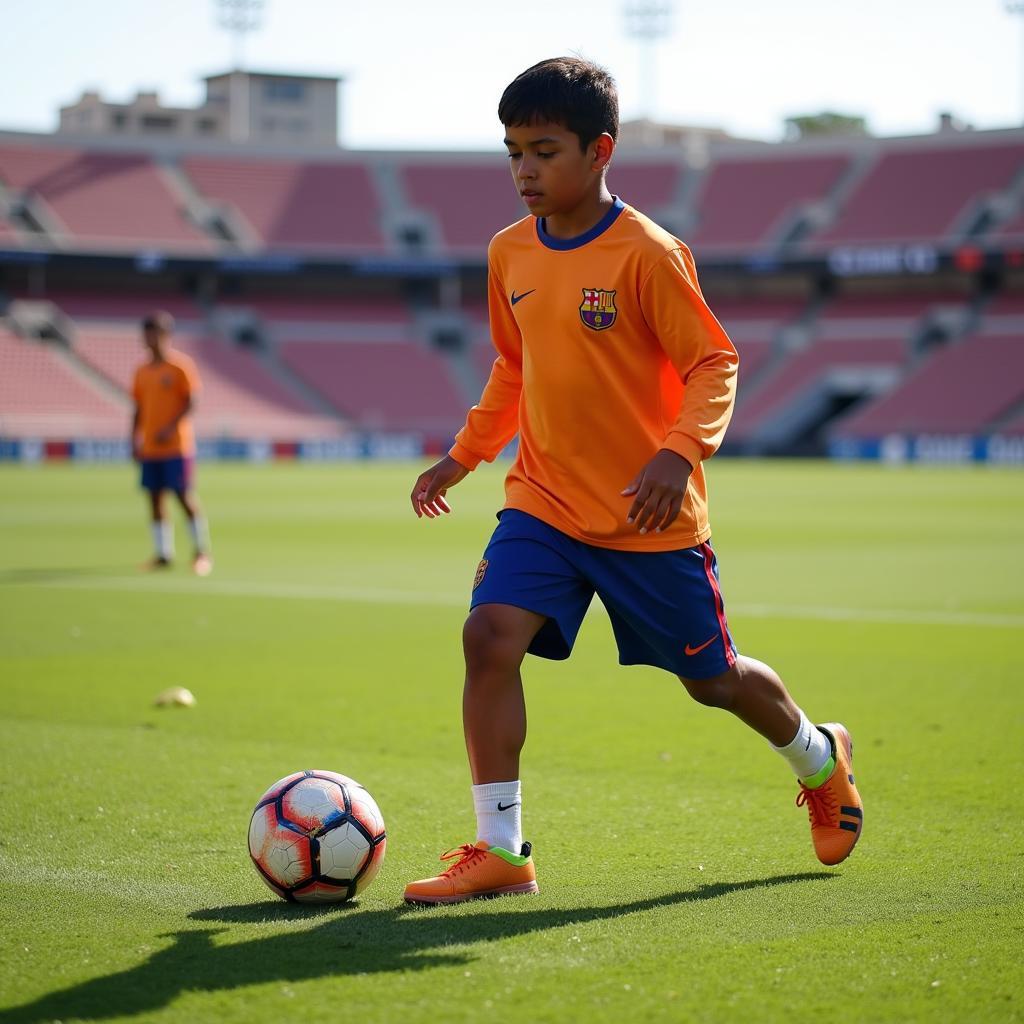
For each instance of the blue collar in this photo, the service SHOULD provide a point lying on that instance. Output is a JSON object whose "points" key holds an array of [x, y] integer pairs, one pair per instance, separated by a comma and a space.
{"points": [[564, 244]]}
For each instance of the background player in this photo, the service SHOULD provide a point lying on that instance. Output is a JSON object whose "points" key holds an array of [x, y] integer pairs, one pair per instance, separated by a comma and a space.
{"points": [[619, 382], [163, 441]]}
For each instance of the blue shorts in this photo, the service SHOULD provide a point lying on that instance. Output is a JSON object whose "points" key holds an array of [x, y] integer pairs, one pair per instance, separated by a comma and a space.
{"points": [[666, 607], [168, 474]]}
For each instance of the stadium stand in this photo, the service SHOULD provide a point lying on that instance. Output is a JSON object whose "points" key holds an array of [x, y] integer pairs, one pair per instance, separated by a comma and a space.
{"points": [[127, 306], [240, 396], [317, 309], [469, 203], [42, 395], [291, 205], [397, 385], [252, 254], [646, 186], [99, 199], [964, 387], [745, 203], [921, 193]]}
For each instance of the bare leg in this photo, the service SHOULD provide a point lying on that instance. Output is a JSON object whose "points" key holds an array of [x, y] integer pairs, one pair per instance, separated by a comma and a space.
{"points": [[495, 640], [755, 694]]}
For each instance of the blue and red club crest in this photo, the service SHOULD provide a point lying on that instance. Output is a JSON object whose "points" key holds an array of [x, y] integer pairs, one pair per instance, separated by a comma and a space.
{"points": [[597, 310]]}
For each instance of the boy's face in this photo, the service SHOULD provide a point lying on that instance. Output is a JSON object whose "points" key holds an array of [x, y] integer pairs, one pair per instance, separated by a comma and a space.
{"points": [[551, 173]]}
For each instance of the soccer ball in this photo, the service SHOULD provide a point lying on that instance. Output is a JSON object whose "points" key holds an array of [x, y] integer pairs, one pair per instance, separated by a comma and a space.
{"points": [[317, 837]]}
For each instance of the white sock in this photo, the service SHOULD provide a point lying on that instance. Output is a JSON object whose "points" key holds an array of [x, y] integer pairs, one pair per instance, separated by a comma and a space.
{"points": [[809, 751], [499, 814], [163, 538], [200, 534]]}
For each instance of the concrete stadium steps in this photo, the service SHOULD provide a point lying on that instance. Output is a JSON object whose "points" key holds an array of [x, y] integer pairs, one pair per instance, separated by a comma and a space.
{"points": [[795, 391], [295, 205], [101, 200], [919, 193], [748, 202], [963, 388]]}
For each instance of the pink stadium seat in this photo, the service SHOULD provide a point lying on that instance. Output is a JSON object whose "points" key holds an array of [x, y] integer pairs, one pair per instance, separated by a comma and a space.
{"points": [[744, 200], [240, 397], [293, 205], [804, 369], [471, 203], [918, 194], [130, 306], [112, 200], [323, 309], [42, 395], [646, 186], [961, 389], [396, 385]]}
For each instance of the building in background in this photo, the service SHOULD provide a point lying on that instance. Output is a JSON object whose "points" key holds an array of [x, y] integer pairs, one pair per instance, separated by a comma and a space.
{"points": [[244, 107]]}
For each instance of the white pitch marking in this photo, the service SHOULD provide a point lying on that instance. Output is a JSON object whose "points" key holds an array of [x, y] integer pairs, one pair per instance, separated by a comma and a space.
{"points": [[369, 595]]}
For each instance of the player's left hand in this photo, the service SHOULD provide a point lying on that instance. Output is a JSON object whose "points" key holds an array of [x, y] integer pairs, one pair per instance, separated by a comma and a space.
{"points": [[659, 488]]}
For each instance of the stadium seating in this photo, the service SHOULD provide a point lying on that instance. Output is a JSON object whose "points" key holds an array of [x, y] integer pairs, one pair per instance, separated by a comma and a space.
{"points": [[240, 396], [293, 205], [102, 200], [396, 385], [43, 395], [962, 388], [122, 305], [648, 186], [470, 202], [745, 202], [324, 309], [802, 374], [918, 193]]}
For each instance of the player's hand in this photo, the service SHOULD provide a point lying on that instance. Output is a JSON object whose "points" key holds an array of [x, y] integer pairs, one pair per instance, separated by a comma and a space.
{"points": [[136, 452], [659, 489], [432, 485]]}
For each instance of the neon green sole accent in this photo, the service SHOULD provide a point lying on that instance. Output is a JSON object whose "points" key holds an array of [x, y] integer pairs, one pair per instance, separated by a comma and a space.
{"points": [[509, 858], [819, 778]]}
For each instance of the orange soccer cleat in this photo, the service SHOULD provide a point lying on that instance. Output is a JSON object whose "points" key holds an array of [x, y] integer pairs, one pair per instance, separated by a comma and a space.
{"points": [[479, 871], [834, 806]]}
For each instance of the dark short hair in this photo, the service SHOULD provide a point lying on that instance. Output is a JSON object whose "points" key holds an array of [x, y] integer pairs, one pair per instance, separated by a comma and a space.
{"points": [[159, 320], [564, 90]]}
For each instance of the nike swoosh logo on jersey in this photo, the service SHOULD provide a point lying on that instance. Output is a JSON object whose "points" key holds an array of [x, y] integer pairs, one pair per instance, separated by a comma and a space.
{"points": [[691, 651], [518, 298]]}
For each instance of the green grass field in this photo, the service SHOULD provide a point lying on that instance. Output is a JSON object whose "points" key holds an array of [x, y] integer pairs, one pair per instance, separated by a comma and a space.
{"points": [[677, 877]]}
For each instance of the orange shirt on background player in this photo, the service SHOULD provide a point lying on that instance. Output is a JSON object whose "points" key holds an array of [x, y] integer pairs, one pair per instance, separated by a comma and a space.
{"points": [[607, 353], [161, 391]]}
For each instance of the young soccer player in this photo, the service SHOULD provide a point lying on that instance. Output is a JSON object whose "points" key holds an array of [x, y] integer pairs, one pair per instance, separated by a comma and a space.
{"points": [[162, 440], [620, 383]]}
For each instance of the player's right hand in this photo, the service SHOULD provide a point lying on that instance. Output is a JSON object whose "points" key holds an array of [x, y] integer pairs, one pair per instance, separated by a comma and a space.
{"points": [[432, 485]]}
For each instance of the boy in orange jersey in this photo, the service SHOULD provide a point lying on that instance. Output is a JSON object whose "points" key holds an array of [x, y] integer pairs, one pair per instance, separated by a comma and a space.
{"points": [[619, 382], [162, 440]]}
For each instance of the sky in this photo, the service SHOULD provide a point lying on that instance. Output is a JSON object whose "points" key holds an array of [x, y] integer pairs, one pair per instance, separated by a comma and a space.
{"points": [[428, 75]]}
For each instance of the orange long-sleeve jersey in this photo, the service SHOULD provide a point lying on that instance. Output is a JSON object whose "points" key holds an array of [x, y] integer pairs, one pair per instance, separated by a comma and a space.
{"points": [[607, 353], [161, 390]]}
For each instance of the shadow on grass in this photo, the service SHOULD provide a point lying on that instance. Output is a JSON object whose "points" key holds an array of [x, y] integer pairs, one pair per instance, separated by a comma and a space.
{"points": [[345, 940]]}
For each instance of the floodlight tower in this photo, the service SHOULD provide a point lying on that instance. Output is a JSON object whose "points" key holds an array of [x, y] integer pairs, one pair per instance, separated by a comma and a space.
{"points": [[1016, 7], [650, 21], [239, 17]]}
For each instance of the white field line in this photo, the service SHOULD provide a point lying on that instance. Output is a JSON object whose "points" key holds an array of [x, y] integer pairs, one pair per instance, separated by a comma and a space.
{"points": [[373, 595]]}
